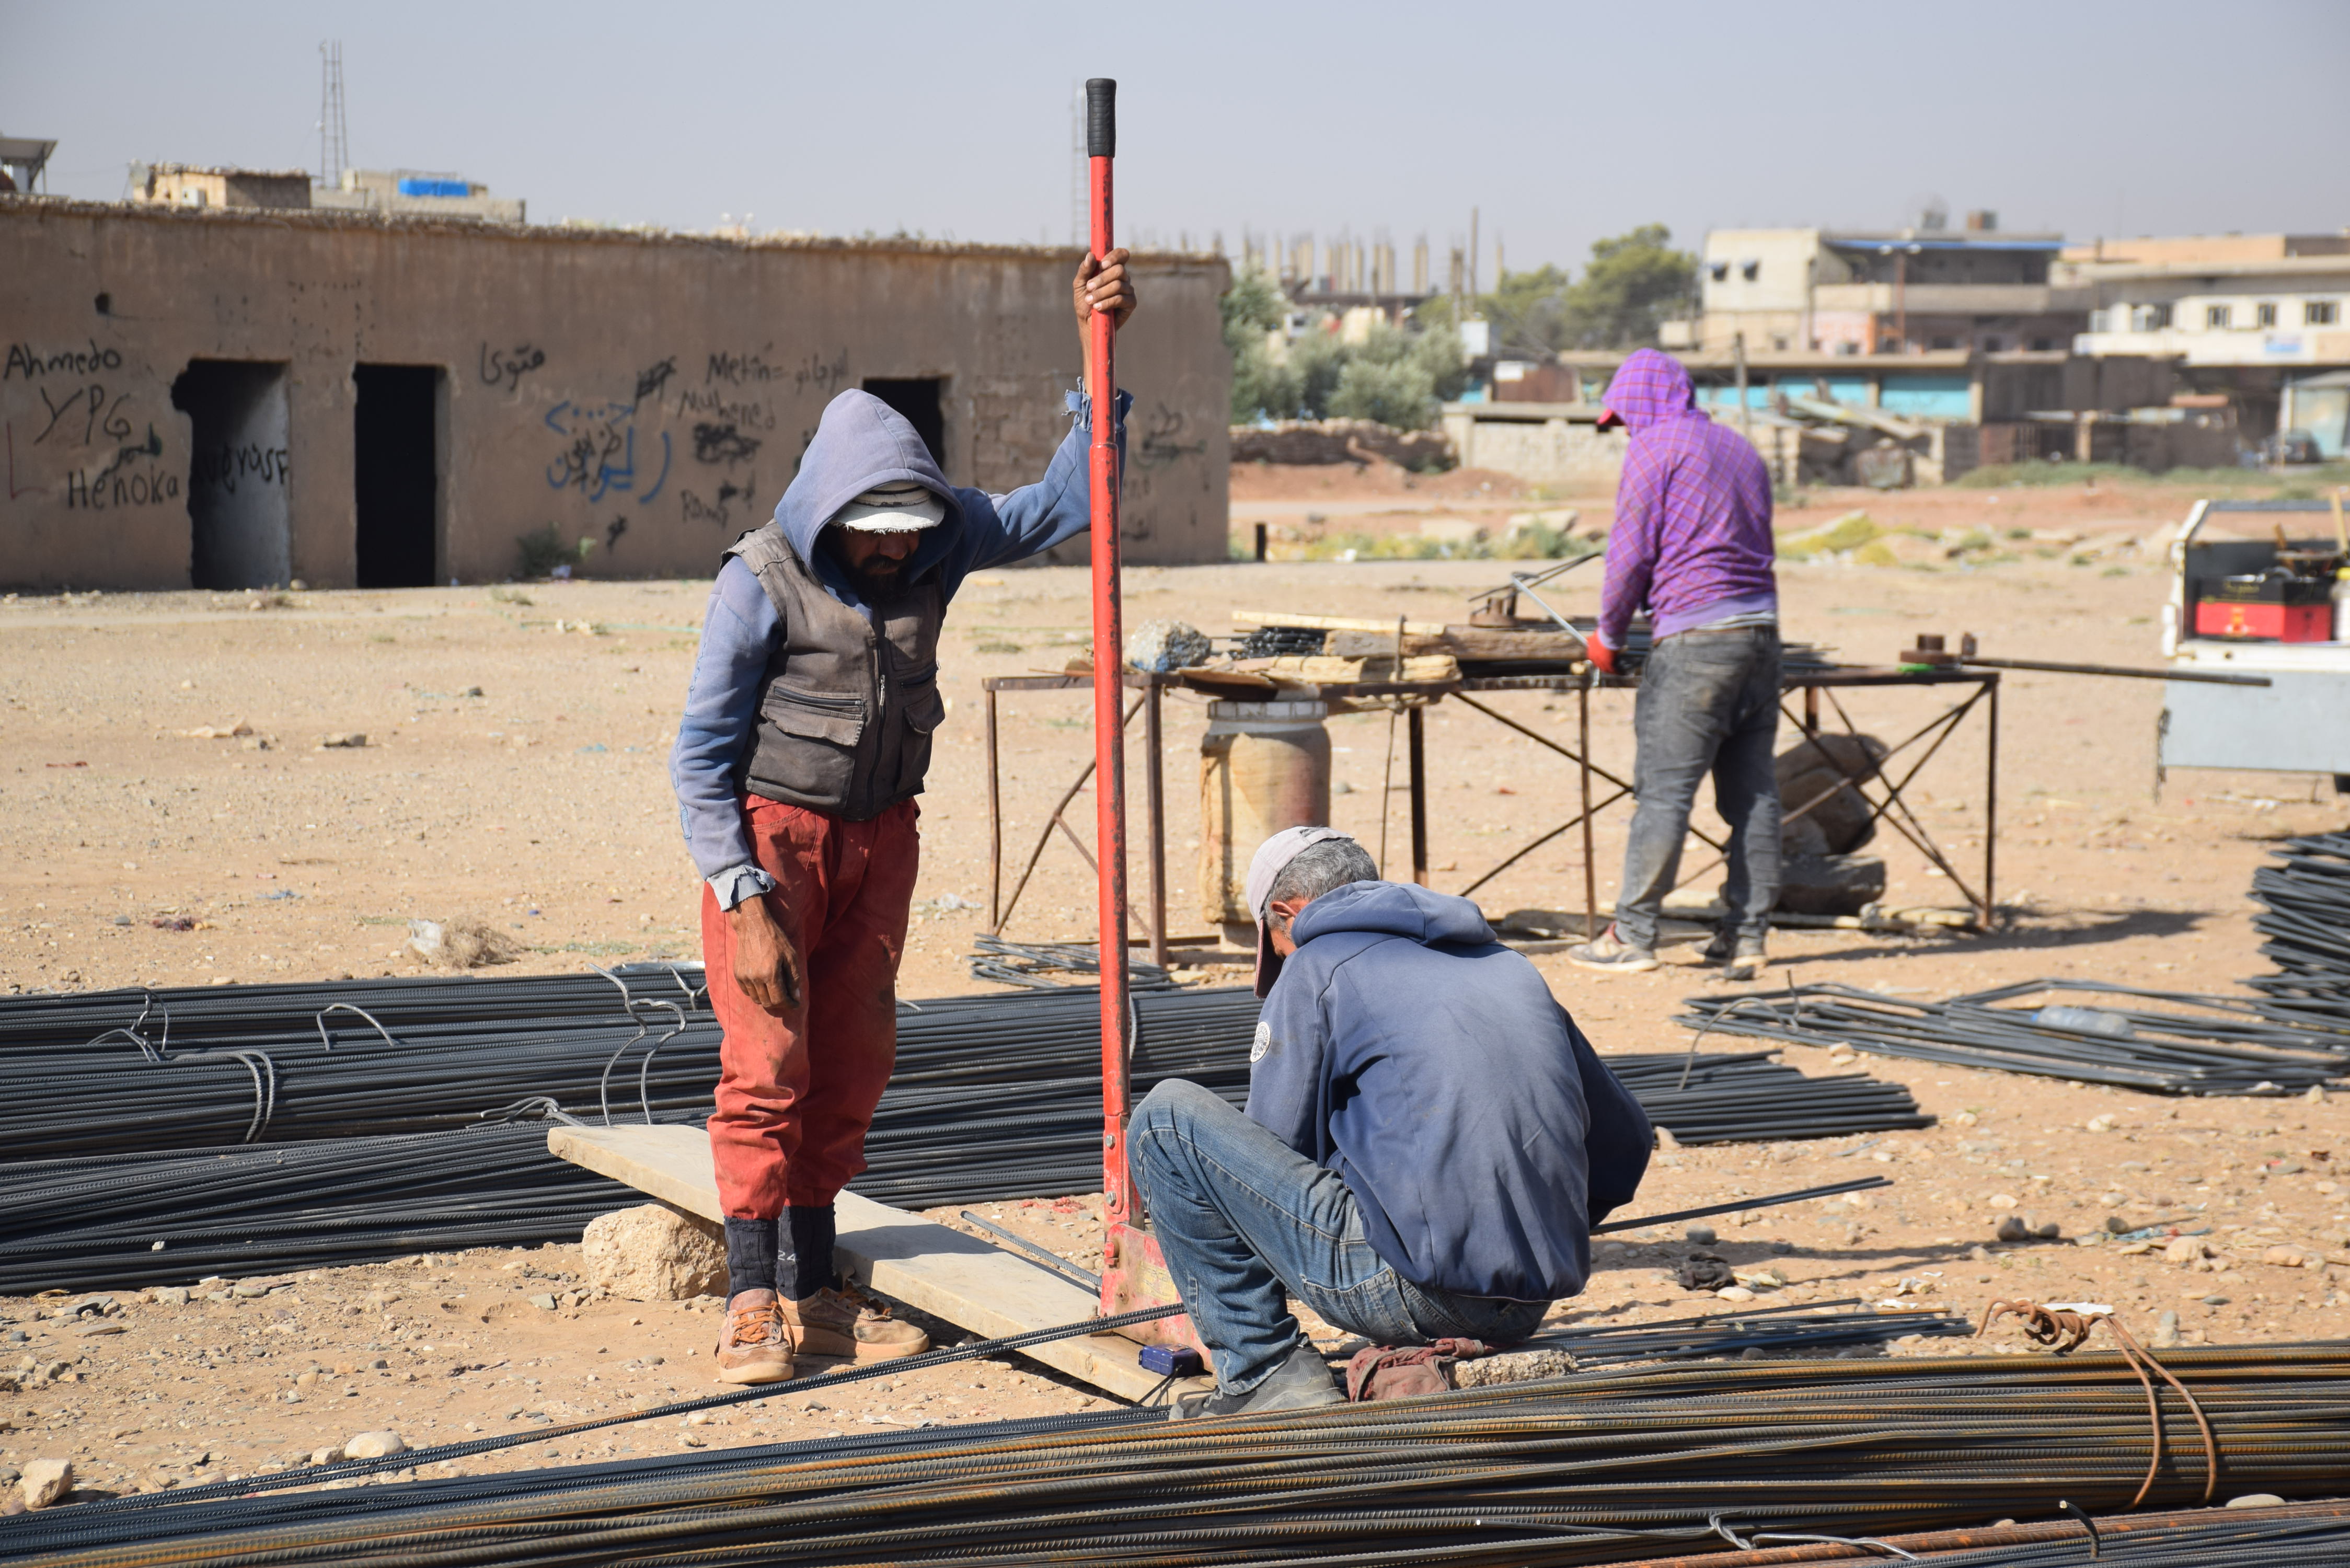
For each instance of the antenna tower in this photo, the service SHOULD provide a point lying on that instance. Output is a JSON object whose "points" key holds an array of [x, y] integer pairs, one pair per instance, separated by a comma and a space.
{"points": [[334, 141]]}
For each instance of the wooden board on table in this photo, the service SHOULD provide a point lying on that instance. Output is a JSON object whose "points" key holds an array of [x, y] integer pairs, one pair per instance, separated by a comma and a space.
{"points": [[1469, 644], [944, 1273], [1334, 622]]}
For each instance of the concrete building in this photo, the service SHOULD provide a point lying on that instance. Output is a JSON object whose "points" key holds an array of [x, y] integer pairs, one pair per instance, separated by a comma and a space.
{"points": [[404, 192], [198, 185], [417, 193], [232, 395], [2261, 320], [1924, 290]]}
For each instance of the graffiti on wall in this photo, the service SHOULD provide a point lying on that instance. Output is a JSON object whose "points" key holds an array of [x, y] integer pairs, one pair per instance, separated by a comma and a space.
{"points": [[599, 454], [506, 367], [625, 448], [83, 434]]}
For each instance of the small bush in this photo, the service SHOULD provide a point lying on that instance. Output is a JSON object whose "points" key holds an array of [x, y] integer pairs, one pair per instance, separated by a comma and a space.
{"points": [[545, 550]]}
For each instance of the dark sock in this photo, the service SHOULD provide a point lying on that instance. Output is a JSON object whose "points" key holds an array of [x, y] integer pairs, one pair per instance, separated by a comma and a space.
{"points": [[805, 1266], [751, 1248]]}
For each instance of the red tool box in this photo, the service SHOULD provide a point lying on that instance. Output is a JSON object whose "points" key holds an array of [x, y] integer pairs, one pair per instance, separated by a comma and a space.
{"points": [[2270, 607]]}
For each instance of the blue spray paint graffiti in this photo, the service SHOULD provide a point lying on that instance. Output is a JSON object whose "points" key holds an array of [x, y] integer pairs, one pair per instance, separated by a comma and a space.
{"points": [[599, 452]]}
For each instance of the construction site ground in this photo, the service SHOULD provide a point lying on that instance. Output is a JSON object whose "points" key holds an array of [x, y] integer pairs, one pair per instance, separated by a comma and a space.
{"points": [[512, 770]]}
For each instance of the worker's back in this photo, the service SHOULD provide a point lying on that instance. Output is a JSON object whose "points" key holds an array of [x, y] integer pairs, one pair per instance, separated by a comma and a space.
{"points": [[1429, 1065]]}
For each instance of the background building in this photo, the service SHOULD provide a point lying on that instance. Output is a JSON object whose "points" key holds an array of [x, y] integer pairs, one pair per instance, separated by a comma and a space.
{"points": [[1908, 291], [238, 394], [2261, 321]]}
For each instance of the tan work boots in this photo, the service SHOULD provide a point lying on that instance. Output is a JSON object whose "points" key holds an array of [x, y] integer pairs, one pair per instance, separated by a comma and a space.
{"points": [[753, 1346], [844, 1323]]}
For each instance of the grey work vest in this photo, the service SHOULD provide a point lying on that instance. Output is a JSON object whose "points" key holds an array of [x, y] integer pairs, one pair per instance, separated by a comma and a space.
{"points": [[845, 719]]}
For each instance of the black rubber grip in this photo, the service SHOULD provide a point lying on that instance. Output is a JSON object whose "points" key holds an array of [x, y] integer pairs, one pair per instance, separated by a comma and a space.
{"points": [[1101, 117]]}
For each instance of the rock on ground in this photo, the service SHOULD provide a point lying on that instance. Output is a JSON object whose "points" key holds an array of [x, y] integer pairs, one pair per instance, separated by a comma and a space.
{"points": [[653, 1254], [45, 1481], [1511, 1366], [375, 1446]]}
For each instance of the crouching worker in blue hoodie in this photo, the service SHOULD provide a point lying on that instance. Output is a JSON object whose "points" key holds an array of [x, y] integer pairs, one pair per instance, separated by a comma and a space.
{"points": [[1427, 1142]]}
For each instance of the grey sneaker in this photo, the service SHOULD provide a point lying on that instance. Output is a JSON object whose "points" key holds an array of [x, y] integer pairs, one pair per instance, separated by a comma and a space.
{"points": [[1302, 1382], [1738, 957], [1611, 955]]}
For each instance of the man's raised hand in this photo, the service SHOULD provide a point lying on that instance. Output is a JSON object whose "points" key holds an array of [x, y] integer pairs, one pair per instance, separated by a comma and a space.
{"points": [[1104, 285]]}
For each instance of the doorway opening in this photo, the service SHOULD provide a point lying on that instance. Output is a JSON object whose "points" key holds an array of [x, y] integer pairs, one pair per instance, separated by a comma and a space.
{"points": [[919, 400], [237, 514], [395, 466]]}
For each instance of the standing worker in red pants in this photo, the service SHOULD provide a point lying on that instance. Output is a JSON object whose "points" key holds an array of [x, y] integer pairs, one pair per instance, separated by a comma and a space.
{"points": [[805, 736]]}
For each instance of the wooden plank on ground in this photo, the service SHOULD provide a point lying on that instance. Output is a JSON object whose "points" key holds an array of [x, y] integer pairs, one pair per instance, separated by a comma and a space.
{"points": [[942, 1271]]}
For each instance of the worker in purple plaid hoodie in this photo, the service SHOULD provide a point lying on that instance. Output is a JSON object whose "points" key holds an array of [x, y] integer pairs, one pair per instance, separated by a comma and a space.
{"points": [[1692, 543]]}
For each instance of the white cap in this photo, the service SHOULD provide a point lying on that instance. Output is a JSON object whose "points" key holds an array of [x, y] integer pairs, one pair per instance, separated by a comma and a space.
{"points": [[900, 507], [1272, 858]]}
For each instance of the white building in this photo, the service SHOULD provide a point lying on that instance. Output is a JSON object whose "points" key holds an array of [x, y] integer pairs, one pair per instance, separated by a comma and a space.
{"points": [[2259, 316], [1928, 289]]}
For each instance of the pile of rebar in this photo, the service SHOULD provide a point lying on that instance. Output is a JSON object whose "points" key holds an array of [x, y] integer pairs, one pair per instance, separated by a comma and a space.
{"points": [[2193, 1044], [2305, 916], [1765, 1331], [200, 1067], [2288, 1535], [322, 1062], [265, 1130], [1748, 1097], [992, 1099], [1591, 1468], [135, 1219]]}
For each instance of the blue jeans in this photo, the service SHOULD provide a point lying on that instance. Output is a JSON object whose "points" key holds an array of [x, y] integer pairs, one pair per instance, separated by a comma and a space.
{"points": [[1709, 702], [1244, 1221]]}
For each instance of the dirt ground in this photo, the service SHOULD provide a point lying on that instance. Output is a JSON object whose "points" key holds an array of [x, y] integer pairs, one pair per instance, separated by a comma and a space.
{"points": [[513, 769]]}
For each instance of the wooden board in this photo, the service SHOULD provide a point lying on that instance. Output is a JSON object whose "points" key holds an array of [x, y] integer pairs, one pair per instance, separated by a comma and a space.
{"points": [[1469, 644], [944, 1273], [1332, 622]]}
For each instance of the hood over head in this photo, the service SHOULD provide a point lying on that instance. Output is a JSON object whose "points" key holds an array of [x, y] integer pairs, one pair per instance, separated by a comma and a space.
{"points": [[1648, 386], [861, 443], [1393, 909]]}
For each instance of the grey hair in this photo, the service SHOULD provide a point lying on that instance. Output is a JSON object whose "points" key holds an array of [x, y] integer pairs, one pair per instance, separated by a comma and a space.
{"points": [[1320, 866]]}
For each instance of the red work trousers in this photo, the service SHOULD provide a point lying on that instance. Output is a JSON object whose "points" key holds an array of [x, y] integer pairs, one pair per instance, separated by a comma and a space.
{"points": [[796, 1088]]}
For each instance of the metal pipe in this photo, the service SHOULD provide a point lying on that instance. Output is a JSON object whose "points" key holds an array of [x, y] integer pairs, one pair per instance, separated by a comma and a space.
{"points": [[1109, 642], [2207, 677]]}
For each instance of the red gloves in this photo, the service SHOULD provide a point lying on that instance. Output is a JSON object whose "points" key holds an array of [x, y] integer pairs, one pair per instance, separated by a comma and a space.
{"points": [[1602, 658]]}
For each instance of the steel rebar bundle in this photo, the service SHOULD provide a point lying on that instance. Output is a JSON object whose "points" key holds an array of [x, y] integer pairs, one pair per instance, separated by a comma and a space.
{"points": [[2305, 916], [1815, 1325], [1748, 1097], [1591, 1468], [267, 1149], [2196, 1044], [970, 1117], [316, 1066], [2288, 1537], [135, 1219]]}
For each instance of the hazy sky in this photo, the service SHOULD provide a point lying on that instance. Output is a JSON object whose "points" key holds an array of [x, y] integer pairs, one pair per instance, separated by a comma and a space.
{"points": [[1562, 121]]}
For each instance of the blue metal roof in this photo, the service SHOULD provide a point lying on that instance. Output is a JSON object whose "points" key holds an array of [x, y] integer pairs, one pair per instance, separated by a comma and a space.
{"points": [[1891, 242]]}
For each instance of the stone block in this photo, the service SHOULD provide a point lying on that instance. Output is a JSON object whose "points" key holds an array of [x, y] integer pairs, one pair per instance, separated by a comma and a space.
{"points": [[45, 1481], [653, 1254]]}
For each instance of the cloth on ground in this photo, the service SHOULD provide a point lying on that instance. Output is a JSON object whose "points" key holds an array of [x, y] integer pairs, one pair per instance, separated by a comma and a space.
{"points": [[1392, 1372]]}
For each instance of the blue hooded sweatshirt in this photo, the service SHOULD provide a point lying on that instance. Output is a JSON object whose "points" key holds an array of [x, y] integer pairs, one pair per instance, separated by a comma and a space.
{"points": [[1430, 1066], [860, 444]]}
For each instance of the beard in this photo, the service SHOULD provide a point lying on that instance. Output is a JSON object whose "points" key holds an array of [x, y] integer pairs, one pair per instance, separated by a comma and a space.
{"points": [[876, 580], [882, 580]]}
